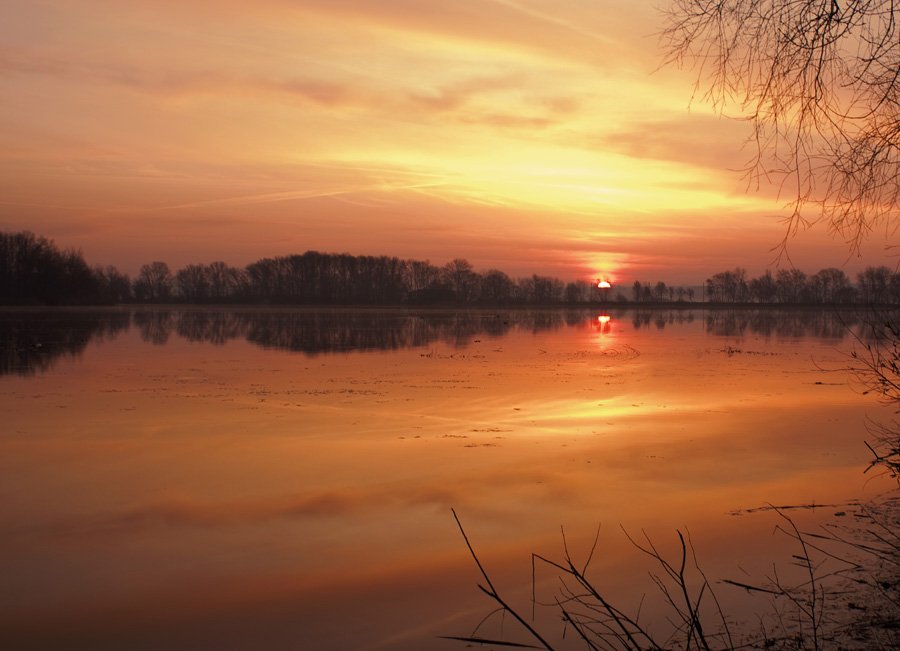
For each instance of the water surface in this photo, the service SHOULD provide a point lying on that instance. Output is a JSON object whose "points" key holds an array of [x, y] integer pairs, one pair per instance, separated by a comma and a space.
{"points": [[282, 479]]}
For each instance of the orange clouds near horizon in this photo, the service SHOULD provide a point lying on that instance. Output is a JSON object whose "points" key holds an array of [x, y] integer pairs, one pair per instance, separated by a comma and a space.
{"points": [[521, 134]]}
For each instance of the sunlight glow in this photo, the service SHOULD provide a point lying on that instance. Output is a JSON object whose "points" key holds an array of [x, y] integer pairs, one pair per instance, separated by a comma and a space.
{"points": [[604, 328], [334, 126]]}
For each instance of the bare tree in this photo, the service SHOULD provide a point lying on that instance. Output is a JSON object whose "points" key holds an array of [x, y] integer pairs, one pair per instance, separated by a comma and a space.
{"points": [[790, 285], [192, 284], [874, 285], [819, 80], [154, 283], [831, 285], [460, 276], [420, 274]]}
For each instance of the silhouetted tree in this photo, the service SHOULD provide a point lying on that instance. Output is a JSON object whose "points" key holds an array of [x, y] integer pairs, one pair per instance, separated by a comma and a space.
{"points": [[660, 291], [459, 276], [226, 283], [420, 275], [789, 285], [268, 279], [34, 271], [546, 290], [874, 285], [831, 285], [496, 287], [727, 286], [114, 286], [763, 289], [524, 290], [154, 283], [437, 293], [191, 284], [894, 289], [578, 292]]}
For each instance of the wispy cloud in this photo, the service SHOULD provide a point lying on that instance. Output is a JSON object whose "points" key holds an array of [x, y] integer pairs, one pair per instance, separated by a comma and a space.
{"points": [[467, 100], [173, 83], [700, 139], [498, 23], [293, 195]]}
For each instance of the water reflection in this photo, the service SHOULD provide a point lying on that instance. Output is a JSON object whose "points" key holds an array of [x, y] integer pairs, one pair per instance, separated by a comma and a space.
{"points": [[32, 341], [603, 324], [337, 331], [660, 318], [782, 324], [155, 325], [818, 324]]}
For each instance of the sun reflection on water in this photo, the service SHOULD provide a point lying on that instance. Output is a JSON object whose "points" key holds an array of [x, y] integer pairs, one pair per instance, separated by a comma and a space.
{"points": [[603, 324]]}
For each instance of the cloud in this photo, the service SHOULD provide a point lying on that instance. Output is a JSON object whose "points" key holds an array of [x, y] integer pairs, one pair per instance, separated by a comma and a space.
{"points": [[698, 139], [454, 95], [493, 24], [466, 101], [174, 83]]}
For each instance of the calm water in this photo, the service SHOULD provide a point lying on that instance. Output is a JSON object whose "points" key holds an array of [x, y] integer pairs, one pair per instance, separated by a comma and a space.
{"points": [[282, 479]]}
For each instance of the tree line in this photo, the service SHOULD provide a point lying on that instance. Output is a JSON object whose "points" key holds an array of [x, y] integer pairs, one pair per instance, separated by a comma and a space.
{"points": [[874, 286], [34, 271], [314, 278]]}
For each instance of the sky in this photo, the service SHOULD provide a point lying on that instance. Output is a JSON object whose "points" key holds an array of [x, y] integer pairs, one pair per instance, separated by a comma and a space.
{"points": [[533, 136]]}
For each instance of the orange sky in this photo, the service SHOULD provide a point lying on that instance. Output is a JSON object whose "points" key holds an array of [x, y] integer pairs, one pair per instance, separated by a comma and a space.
{"points": [[529, 135]]}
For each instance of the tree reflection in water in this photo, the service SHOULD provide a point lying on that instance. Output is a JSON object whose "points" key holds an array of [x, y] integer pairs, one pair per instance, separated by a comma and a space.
{"points": [[783, 323], [314, 332], [32, 341]]}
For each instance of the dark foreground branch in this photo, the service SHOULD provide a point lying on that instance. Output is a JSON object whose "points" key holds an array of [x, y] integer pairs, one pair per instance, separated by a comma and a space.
{"points": [[843, 593]]}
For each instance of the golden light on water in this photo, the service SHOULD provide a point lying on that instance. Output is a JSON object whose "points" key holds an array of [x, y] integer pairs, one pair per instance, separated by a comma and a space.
{"points": [[603, 324]]}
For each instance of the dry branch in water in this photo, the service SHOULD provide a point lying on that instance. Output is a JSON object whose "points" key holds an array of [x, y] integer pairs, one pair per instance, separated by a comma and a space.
{"points": [[841, 569], [875, 363], [600, 624]]}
